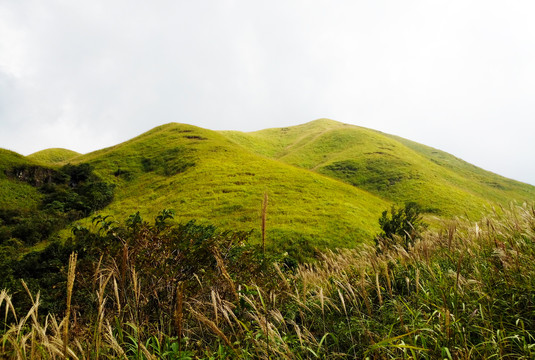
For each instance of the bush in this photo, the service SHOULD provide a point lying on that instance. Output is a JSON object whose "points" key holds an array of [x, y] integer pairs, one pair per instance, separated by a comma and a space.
{"points": [[401, 227]]}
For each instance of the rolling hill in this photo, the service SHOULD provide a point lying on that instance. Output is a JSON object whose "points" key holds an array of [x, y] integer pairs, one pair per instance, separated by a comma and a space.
{"points": [[327, 182], [202, 175], [390, 167]]}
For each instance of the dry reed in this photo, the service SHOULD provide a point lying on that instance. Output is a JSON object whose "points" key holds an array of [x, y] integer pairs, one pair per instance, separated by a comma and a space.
{"points": [[70, 283]]}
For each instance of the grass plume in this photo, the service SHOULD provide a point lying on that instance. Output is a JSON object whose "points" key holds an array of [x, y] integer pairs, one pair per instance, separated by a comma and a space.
{"points": [[462, 292], [70, 283]]}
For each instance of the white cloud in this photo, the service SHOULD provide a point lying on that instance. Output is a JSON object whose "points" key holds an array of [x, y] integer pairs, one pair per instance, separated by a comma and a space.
{"points": [[456, 75]]}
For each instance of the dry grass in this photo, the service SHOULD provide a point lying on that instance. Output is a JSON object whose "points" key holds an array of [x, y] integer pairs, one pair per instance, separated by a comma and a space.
{"points": [[70, 283], [464, 292]]}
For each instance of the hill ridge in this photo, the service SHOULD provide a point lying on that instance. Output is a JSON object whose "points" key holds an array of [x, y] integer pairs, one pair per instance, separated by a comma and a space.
{"points": [[328, 182]]}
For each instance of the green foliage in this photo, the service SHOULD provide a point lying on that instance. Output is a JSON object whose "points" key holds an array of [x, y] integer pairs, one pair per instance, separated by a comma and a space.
{"points": [[124, 174], [77, 173], [44, 272], [96, 195], [401, 226], [30, 227], [68, 193], [163, 254], [78, 190], [162, 217], [181, 291], [219, 178]]}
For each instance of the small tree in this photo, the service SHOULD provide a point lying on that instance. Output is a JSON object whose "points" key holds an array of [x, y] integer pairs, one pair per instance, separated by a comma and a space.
{"points": [[402, 226]]}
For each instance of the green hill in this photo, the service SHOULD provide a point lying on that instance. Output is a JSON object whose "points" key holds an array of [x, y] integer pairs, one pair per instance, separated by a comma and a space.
{"points": [[53, 156], [327, 182], [390, 167], [204, 176]]}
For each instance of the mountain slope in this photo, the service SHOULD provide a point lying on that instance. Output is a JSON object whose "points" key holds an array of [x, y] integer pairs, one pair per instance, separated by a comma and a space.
{"points": [[15, 194], [202, 175], [390, 167], [485, 183]]}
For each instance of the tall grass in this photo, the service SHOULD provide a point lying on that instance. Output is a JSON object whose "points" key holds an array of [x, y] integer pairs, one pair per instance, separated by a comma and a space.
{"points": [[465, 291], [70, 283]]}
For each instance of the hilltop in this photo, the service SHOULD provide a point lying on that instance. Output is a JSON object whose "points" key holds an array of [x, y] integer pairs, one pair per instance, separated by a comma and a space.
{"points": [[53, 156]]}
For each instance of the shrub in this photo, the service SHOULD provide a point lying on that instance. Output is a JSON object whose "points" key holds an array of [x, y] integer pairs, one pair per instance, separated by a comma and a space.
{"points": [[401, 226]]}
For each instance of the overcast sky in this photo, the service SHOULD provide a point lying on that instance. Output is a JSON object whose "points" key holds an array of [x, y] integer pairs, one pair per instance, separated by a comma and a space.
{"points": [[455, 75]]}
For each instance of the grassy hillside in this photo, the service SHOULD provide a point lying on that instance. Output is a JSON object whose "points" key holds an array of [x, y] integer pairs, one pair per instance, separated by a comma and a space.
{"points": [[53, 156], [327, 182], [204, 176], [395, 169], [15, 194], [166, 290], [484, 183]]}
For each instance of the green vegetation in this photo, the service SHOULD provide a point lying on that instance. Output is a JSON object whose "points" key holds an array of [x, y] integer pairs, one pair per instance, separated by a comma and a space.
{"points": [[53, 156], [182, 291], [69, 193], [402, 227], [15, 194], [202, 286]]}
